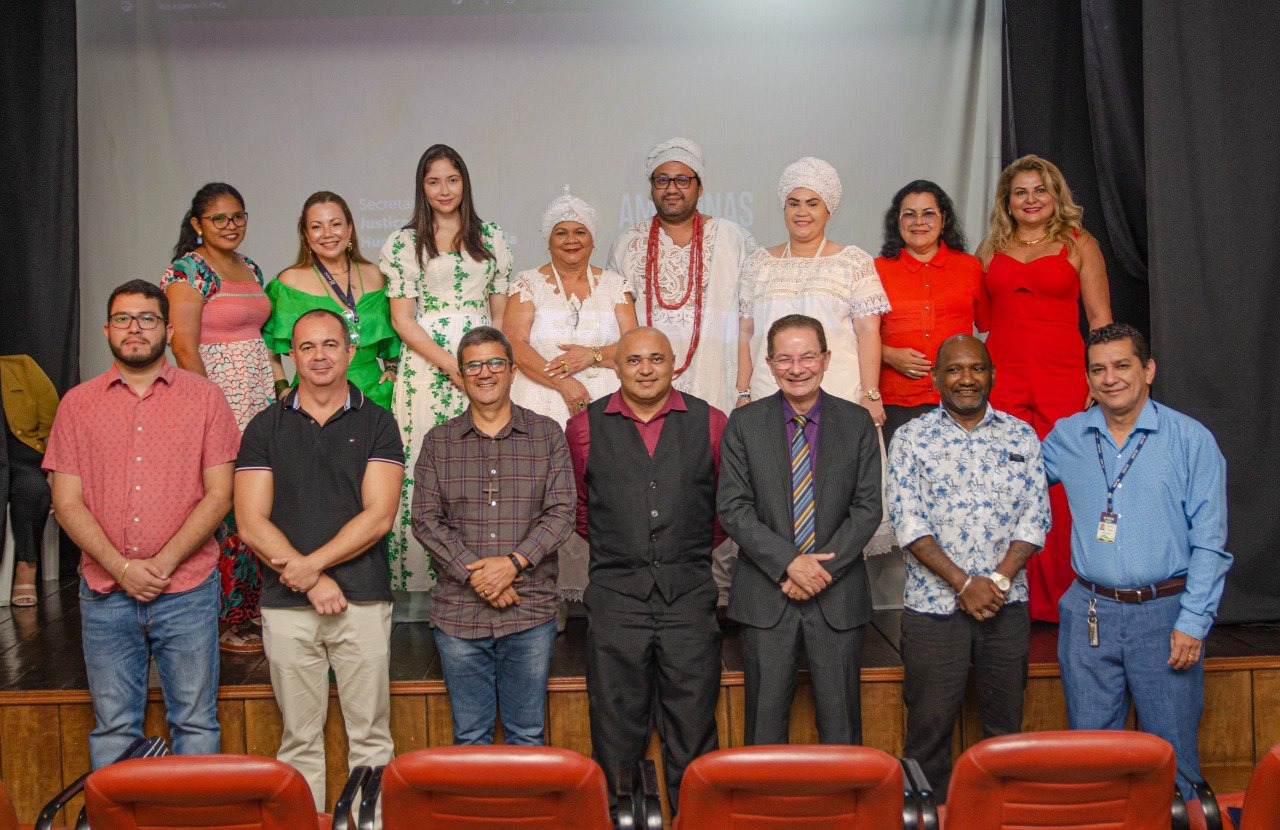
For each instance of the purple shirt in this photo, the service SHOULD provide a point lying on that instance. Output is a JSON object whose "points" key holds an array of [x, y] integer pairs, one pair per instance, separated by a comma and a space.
{"points": [[810, 428]]}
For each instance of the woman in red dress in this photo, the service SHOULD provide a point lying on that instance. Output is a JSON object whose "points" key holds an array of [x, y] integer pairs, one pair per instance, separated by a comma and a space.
{"points": [[1040, 263]]}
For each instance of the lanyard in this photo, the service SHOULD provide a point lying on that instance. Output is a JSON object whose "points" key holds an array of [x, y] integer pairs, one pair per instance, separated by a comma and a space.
{"points": [[348, 297], [1111, 489]]}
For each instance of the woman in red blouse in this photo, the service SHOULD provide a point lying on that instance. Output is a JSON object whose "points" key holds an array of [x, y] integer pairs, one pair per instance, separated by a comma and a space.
{"points": [[935, 290]]}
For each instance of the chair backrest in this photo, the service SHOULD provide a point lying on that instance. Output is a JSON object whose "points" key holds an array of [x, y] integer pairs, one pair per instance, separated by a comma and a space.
{"points": [[460, 787], [244, 792], [1064, 779], [810, 786], [8, 815], [1262, 799]]}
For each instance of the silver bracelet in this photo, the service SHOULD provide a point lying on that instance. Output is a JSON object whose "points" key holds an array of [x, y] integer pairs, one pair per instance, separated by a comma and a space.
{"points": [[965, 585]]}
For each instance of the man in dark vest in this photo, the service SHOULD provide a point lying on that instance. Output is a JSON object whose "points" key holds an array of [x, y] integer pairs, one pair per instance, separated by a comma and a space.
{"points": [[646, 460]]}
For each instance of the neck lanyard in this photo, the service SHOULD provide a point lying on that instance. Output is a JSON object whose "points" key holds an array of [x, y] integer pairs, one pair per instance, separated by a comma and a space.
{"points": [[348, 297], [1111, 489]]}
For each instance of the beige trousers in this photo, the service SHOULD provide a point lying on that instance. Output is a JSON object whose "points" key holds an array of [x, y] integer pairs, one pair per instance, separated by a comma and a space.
{"points": [[301, 645]]}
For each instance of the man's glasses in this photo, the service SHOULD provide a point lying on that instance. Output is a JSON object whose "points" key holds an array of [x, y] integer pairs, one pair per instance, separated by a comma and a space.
{"points": [[221, 220], [146, 321], [681, 182], [497, 365], [786, 361]]}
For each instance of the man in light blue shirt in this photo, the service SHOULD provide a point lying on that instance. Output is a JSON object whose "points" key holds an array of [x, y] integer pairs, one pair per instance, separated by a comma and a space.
{"points": [[1147, 489], [968, 501]]}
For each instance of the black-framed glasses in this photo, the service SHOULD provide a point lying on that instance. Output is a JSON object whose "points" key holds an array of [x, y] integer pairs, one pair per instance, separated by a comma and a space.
{"points": [[497, 365], [681, 182], [146, 320], [221, 220]]}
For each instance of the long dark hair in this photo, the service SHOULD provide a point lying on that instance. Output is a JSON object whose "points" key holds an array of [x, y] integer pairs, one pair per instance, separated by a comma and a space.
{"points": [[423, 221], [187, 235], [952, 235], [323, 197]]}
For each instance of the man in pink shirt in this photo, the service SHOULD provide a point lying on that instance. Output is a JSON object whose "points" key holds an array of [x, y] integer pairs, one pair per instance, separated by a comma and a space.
{"points": [[142, 459]]}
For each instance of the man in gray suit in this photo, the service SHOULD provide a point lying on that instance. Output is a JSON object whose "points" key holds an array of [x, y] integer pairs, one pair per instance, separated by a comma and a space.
{"points": [[800, 494]]}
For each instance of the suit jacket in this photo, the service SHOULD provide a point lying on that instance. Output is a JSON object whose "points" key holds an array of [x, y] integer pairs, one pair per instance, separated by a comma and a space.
{"points": [[754, 501], [30, 400]]}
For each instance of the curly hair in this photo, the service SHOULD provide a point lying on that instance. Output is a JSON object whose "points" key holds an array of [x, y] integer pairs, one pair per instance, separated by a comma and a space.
{"points": [[325, 197], [952, 234], [1002, 228]]}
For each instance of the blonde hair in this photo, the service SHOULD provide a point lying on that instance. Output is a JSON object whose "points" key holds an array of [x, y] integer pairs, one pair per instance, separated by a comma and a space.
{"points": [[1066, 215]]}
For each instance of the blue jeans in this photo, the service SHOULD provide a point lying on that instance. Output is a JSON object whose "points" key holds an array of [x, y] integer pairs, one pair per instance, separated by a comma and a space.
{"points": [[1130, 662], [121, 635], [491, 673]]}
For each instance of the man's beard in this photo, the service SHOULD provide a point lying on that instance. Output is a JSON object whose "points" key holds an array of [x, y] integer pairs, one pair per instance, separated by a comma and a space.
{"points": [[138, 360]]}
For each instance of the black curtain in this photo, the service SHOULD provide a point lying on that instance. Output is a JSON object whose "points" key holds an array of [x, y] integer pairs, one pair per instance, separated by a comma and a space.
{"points": [[1213, 181], [40, 288]]}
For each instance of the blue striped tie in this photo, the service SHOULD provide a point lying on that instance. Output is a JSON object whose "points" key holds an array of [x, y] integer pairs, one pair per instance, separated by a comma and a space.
{"points": [[802, 488]]}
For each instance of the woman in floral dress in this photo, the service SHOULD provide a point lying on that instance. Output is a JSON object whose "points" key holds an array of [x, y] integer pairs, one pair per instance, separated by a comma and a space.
{"points": [[447, 273], [217, 308]]}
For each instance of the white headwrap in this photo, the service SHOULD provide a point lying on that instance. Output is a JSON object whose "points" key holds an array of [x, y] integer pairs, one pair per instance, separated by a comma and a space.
{"points": [[566, 208], [814, 174], [682, 150]]}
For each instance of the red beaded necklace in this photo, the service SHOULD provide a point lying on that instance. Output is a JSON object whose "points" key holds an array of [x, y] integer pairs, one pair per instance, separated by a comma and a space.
{"points": [[651, 288]]}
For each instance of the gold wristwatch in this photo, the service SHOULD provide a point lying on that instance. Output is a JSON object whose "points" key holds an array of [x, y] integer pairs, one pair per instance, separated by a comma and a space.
{"points": [[872, 394], [1002, 582], [599, 358]]}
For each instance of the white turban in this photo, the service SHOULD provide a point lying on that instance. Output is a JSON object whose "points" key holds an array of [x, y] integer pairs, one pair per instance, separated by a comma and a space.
{"points": [[566, 208], [814, 174], [682, 150]]}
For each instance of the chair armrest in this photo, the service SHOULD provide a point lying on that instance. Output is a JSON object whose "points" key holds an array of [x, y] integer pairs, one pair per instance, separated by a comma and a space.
{"points": [[140, 748], [1204, 793], [369, 798], [342, 819], [652, 800], [624, 795], [1181, 819], [919, 806]]}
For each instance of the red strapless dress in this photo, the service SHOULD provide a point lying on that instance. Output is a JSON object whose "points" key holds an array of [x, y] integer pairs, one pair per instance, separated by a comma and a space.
{"points": [[1038, 353]]}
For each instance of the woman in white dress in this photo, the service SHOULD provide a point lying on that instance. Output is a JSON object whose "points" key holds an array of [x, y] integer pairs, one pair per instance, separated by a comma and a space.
{"points": [[563, 321], [446, 274], [811, 275]]}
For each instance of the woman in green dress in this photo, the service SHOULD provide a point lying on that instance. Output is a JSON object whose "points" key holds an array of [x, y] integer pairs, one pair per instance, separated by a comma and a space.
{"points": [[332, 274]]}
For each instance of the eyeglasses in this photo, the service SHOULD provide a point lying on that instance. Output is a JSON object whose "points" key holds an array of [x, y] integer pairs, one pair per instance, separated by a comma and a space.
{"points": [[681, 182], [926, 217], [497, 365], [221, 220], [786, 361], [146, 320]]}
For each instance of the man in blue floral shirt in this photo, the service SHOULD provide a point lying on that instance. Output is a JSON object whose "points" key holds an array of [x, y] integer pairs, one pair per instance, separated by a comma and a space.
{"points": [[969, 503]]}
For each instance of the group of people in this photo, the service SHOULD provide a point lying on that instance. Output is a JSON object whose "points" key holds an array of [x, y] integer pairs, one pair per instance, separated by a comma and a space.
{"points": [[698, 426]]}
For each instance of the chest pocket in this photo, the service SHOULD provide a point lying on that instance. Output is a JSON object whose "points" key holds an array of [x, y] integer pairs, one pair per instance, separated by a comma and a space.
{"points": [[998, 470]]}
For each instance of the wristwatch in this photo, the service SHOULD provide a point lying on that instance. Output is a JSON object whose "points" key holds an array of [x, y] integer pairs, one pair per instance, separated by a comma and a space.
{"points": [[599, 358], [1002, 582], [872, 394]]}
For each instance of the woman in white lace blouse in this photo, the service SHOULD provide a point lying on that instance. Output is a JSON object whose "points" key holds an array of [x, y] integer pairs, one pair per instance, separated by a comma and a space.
{"points": [[809, 274], [564, 318]]}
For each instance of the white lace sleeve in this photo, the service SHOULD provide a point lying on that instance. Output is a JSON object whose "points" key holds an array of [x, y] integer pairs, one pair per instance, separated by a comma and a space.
{"points": [[747, 283], [613, 287], [524, 285], [626, 258], [866, 295]]}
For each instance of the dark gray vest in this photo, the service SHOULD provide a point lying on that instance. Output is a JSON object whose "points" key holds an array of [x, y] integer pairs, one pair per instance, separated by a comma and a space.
{"points": [[651, 519]]}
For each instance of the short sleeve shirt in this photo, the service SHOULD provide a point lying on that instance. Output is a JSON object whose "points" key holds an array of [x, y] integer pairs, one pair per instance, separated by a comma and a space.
{"points": [[317, 472], [141, 461]]}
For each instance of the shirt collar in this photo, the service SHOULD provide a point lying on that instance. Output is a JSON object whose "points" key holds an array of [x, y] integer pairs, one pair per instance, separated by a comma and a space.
{"points": [[813, 415], [1148, 418], [617, 405], [112, 376], [518, 423], [355, 399], [938, 260], [991, 416]]}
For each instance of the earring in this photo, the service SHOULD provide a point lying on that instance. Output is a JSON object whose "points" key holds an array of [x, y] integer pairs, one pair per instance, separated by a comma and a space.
{"points": [[348, 247], [199, 240]]}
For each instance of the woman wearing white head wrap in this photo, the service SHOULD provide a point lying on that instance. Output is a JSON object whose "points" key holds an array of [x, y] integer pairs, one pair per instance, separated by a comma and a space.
{"points": [[564, 318], [811, 275]]}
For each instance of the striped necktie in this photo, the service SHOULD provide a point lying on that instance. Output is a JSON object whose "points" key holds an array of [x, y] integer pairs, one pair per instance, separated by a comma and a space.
{"points": [[802, 488]]}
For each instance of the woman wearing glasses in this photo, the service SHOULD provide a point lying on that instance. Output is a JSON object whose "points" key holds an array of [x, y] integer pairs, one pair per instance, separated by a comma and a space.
{"points": [[217, 307], [447, 273], [935, 290], [564, 318], [331, 273]]}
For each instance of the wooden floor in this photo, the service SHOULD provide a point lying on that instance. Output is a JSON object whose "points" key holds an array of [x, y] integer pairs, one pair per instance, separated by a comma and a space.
{"points": [[46, 713]]}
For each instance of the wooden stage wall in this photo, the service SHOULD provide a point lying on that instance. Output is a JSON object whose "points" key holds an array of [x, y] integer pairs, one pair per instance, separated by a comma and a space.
{"points": [[44, 746]]}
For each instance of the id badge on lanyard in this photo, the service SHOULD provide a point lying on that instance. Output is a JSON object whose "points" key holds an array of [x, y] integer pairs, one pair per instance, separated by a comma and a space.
{"points": [[1109, 521]]}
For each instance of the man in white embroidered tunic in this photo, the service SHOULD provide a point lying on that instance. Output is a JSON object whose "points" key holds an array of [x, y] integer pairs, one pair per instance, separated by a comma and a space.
{"points": [[969, 503], [699, 316]]}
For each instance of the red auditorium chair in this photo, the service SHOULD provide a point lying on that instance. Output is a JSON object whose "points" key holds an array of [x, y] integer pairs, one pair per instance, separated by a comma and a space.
{"points": [[8, 815], [1260, 803], [209, 792], [1074, 779], [811, 786], [493, 787]]}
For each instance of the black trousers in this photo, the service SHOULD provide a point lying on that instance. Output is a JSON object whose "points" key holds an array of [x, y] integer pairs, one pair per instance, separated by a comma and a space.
{"points": [[936, 652], [650, 662], [895, 416], [29, 498]]}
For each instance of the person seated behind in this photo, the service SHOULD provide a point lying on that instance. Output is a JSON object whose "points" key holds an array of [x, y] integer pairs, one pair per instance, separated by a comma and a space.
{"points": [[30, 403]]}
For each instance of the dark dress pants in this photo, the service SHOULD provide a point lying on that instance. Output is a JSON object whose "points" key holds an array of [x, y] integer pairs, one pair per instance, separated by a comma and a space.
{"points": [[936, 653], [28, 498], [650, 662]]}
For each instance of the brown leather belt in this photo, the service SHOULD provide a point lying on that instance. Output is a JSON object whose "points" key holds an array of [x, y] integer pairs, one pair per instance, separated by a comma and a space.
{"points": [[1161, 589]]}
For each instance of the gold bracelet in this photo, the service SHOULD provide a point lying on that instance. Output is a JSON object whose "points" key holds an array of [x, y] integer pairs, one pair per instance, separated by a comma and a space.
{"points": [[127, 563]]}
